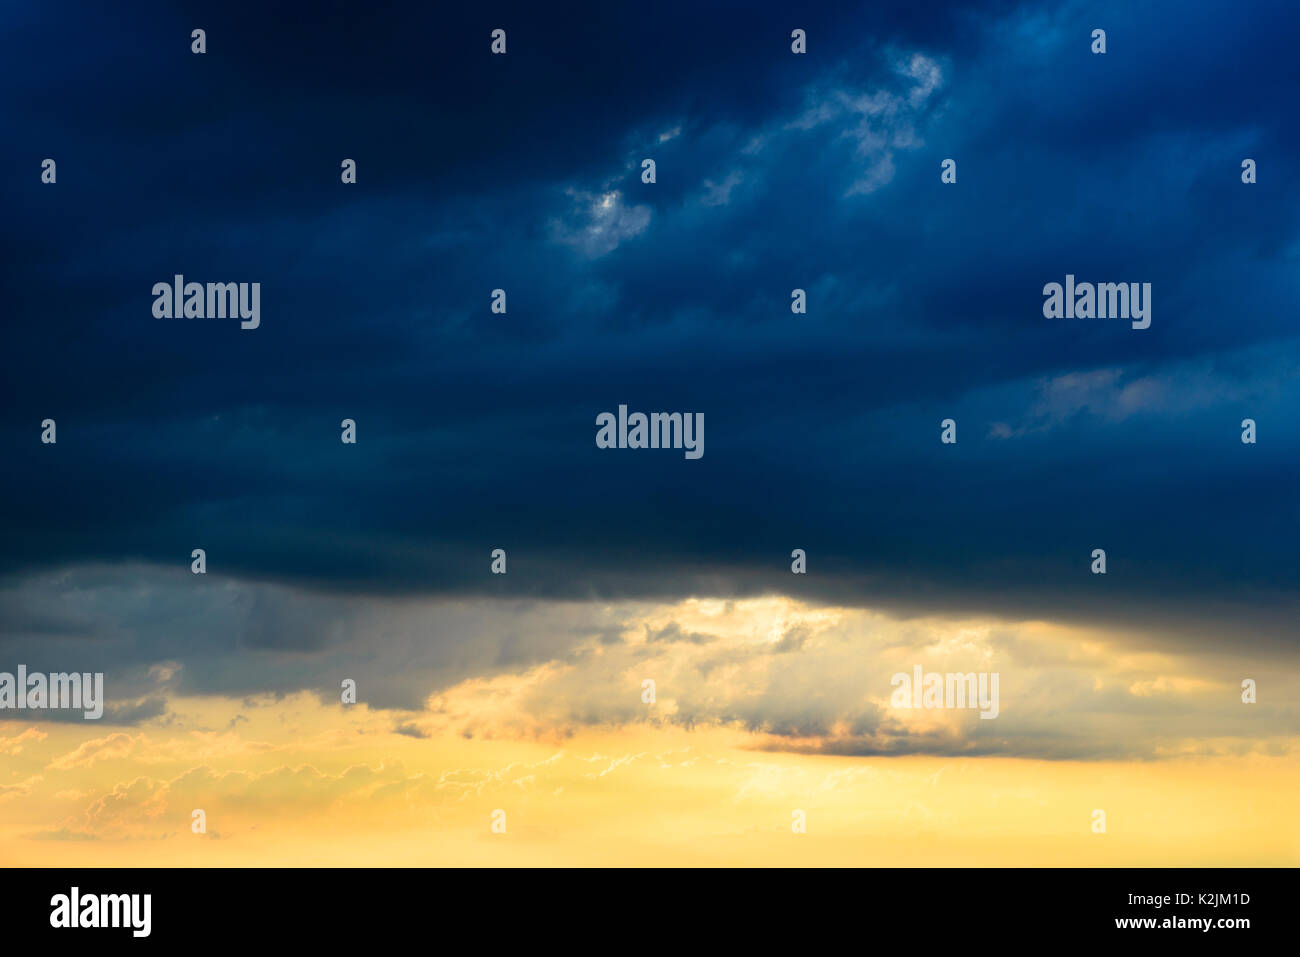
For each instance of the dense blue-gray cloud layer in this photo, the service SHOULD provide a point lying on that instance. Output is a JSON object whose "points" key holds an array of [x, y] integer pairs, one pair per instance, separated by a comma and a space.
{"points": [[775, 171]]}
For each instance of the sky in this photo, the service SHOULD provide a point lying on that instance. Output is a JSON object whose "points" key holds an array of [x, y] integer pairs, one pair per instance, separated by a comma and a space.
{"points": [[524, 692]]}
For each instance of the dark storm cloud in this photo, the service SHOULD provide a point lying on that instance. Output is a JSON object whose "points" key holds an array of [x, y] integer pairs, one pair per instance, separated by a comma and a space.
{"points": [[774, 171]]}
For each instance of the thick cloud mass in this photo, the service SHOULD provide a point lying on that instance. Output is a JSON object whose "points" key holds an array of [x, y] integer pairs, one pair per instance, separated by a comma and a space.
{"points": [[775, 171]]}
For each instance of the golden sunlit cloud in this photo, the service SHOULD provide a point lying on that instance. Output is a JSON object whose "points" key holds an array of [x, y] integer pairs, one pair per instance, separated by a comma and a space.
{"points": [[765, 713]]}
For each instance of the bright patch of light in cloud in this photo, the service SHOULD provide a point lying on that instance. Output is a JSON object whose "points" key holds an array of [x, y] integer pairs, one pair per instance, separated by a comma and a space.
{"points": [[599, 222]]}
